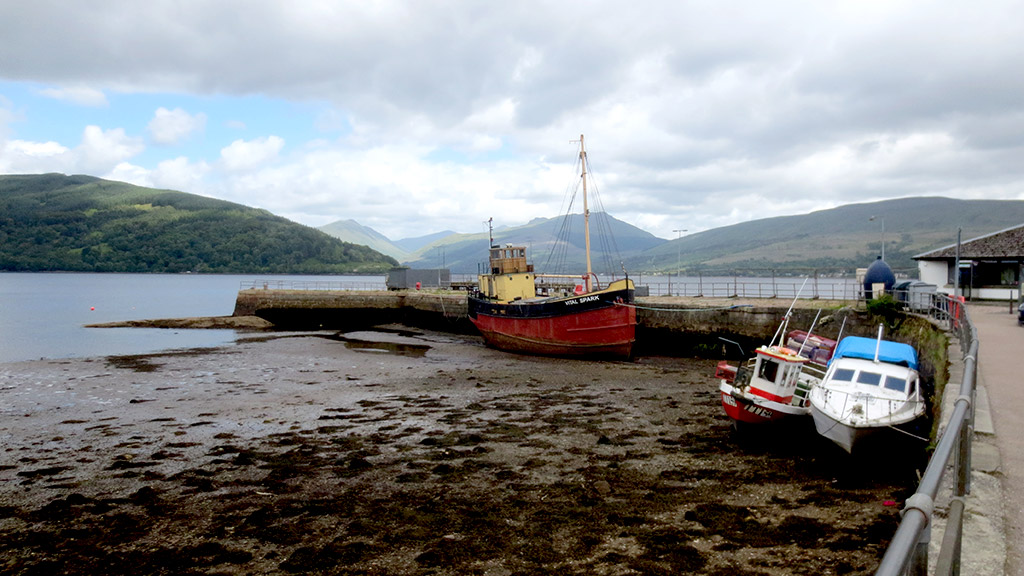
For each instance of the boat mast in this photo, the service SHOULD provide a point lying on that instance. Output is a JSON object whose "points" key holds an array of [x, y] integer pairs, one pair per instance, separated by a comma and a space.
{"points": [[586, 210]]}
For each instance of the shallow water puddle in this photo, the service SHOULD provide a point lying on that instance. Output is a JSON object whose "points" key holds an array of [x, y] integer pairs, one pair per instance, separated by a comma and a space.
{"points": [[402, 349]]}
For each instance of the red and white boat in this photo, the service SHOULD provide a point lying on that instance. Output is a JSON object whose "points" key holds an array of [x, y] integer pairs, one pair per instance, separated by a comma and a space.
{"points": [[777, 381], [513, 312]]}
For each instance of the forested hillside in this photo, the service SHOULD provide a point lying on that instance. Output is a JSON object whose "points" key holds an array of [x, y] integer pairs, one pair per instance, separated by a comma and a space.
{"points": [[53, 222]]}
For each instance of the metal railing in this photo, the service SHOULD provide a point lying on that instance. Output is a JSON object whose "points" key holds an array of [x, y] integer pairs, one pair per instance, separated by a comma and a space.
{"points": [[908, 551], [934, 305], [310, 285], [736, 286], [740, 287]]}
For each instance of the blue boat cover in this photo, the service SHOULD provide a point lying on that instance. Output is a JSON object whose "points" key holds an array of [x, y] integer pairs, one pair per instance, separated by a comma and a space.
{"points": [[891, 352]]}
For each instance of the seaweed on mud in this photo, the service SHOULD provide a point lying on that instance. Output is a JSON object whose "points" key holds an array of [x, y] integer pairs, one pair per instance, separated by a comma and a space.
{"points": [[124, 463], [137, 363], [466, 490], [43, 472], [453, 438]]}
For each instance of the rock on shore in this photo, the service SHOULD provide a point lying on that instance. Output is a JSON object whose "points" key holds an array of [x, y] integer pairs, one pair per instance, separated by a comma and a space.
{"points": [[204, 322]]}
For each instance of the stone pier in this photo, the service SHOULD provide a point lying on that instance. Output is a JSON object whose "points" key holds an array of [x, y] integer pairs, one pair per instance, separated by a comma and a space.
{"points": [[662, 321]]}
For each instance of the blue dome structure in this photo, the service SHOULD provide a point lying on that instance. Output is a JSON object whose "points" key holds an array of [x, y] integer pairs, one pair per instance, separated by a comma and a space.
{"points": [[878, 273]]}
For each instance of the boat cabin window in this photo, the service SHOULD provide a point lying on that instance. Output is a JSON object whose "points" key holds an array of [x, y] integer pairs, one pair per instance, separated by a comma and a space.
{"points": [[768, 371], [869, 378], [790, 374], [843, 375], [895, 383], [508, 253]]}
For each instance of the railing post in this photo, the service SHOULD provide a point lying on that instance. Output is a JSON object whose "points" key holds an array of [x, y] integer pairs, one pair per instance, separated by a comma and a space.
{"points": [[919, 560], [948, 562]]}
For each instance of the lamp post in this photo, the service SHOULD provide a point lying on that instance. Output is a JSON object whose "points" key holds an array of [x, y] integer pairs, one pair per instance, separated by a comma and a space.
{"points": [[882, 218], [440, 254], [679, 249], [956, 265]]}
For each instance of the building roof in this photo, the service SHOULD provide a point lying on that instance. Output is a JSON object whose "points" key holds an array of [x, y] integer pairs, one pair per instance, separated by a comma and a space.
{"points": [[1008, 243]]}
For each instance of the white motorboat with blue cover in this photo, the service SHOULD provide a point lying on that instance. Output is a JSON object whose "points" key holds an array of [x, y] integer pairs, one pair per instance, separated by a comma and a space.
{"points": [[870, 385]]}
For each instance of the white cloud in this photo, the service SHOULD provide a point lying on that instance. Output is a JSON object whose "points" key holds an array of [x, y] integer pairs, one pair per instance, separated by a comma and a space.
{"points": [[397, 191], [130, 173], [181, 174], [36, 149], [245, 155], [172, 126], [176, 174], [81, 95], [23, 157], [101, 150]]}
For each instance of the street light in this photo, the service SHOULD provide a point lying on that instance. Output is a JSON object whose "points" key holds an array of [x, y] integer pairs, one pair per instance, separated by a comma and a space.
{"points": [[679, 248], [882, 218]]}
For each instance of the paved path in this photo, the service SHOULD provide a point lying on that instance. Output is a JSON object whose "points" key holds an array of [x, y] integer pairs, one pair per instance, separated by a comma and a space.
{"points": [[1000, 366]]}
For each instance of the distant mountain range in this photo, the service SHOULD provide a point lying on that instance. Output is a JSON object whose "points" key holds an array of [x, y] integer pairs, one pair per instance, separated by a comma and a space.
{"points": [[556, 245], [356, 233], [837, 240], [82, 223]]}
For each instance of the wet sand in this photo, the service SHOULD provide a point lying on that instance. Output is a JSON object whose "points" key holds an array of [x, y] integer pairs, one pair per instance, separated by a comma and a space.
{"points": [[413, 452]]}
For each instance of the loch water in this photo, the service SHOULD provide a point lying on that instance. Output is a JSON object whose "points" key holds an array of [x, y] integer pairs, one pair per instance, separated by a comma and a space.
{"points": [[43, 315]]}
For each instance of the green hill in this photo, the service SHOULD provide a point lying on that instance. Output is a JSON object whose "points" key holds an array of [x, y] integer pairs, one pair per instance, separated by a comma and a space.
{"points": [[53, 222], [835, 240]]}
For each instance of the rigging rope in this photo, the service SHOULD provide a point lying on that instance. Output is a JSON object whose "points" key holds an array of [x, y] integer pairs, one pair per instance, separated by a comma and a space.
{"points": [[638, 307], [604, 224], [915, 436], [557, 260]]}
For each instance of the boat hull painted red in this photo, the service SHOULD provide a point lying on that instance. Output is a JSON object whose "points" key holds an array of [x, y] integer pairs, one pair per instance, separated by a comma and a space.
{"points": [[600, 324], [743, 410], [754, 409]]}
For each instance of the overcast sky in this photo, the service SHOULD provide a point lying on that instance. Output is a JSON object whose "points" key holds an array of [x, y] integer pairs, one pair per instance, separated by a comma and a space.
{"points": [[414, 117]]}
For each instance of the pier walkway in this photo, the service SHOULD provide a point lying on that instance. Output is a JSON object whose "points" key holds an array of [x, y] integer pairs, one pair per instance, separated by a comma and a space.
{"points": [[994, 531]]}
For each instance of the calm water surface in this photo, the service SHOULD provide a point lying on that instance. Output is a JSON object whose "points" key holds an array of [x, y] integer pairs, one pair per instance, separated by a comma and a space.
{"points": [[43, 315]]}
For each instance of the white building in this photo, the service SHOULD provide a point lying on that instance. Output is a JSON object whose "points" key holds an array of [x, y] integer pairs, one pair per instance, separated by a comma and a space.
{"points": [[990, 266]]}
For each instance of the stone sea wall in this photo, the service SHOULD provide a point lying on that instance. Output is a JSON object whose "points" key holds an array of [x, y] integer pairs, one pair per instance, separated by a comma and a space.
{"points": [[667, 318]]}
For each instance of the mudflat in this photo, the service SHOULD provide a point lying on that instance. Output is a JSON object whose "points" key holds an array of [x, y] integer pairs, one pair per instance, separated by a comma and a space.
{"points": [[413, 452]]}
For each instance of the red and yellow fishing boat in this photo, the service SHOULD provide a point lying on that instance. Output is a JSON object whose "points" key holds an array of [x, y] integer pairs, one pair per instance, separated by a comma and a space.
{"points": [[519, 310]]}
